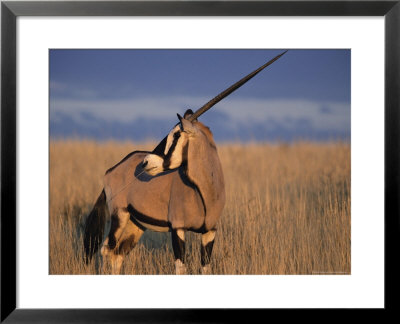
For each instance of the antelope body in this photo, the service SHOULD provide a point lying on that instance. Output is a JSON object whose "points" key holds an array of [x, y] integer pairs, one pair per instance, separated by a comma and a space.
{"points": [[177, 187]]}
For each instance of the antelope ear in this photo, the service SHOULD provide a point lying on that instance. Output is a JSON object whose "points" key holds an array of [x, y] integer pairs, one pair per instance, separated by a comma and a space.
{"points": [[188, 113], [186, 125]]}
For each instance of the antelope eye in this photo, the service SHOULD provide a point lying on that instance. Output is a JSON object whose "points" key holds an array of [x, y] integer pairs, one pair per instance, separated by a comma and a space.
{"points": [[177, 135]]}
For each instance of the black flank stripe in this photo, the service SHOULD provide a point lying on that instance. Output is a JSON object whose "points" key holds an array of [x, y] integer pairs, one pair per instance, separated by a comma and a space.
{"points": [[134, 221], [146, 219]]}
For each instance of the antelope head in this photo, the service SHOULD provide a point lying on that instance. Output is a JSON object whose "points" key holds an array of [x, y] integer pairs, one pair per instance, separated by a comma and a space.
{"points": [[171, 151]]}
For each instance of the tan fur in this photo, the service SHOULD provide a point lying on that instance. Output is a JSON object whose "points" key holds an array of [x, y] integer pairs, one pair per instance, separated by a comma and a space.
{"points": [[204, 169], [190, 198], [128, 239], [149, 195], [168, 197], [123, 217], [164, 197], [207, 237]]}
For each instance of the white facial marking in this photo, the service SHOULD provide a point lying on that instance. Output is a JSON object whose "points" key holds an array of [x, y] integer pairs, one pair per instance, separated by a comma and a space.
{"points": [[207, 237], [170, 138], [176, 158], [154, 164]]}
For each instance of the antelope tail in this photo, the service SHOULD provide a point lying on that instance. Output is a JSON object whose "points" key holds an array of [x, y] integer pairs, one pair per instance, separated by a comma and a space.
{"points": [[94, 227]]}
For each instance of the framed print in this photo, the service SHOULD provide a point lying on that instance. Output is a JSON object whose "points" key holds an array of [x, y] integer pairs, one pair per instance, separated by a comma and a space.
{"points": [[347, 55]]}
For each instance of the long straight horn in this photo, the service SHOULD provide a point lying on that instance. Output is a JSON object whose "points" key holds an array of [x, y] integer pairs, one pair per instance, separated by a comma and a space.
{"points": [[232, 88]]}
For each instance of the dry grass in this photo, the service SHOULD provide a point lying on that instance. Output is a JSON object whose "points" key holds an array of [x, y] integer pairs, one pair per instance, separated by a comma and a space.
{"points": [[287, 210]]}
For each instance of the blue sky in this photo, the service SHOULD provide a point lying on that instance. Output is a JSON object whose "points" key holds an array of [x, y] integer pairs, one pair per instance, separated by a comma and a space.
{"points": [[135, 94]]}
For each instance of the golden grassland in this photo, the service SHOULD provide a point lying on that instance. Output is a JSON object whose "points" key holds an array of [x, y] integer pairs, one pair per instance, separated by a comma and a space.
{"points": [[287, 210]]}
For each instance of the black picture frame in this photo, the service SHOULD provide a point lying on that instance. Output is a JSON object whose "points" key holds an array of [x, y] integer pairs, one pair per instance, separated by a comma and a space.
{"points": [[10, 10]]}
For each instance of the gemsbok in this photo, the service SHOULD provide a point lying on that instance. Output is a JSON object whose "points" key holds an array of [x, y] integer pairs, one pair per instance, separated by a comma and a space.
{"points": [[177, 187]]}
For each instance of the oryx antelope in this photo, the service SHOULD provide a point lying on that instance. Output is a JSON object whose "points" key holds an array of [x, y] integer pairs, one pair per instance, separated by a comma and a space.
{"points": [[177, 187]]}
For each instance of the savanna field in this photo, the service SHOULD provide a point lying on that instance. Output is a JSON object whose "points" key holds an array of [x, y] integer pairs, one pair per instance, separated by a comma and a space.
{"points": [[287, 210]]}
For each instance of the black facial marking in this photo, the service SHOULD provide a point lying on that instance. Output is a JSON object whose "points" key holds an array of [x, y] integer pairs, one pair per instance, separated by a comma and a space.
{"points": [[159, 150], [178, 246], [177, 135], [206, 253], [167, 158]]}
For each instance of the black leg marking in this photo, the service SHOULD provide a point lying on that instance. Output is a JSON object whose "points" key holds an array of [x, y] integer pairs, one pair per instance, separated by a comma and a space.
{"points": [[126, 245], [206, 253], [178, 245], [112, 242]]}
